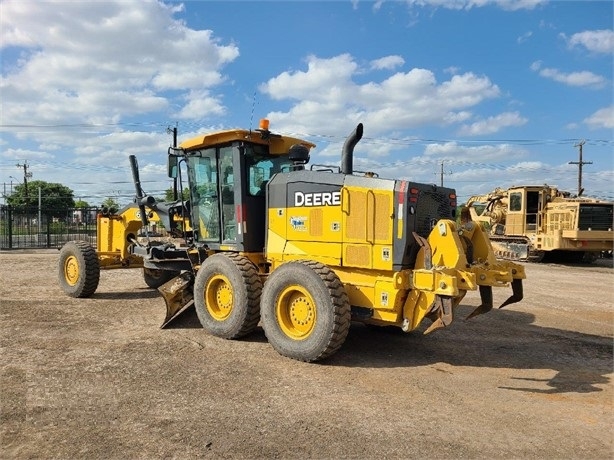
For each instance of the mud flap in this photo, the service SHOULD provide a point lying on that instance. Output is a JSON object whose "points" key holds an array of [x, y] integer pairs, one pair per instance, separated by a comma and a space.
{"points": [[178, 295]]}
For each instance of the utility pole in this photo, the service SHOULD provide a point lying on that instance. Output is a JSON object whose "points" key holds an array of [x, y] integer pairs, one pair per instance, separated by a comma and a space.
{"points": [[442, 173], [26, 176], [170, 130], [580, 163]]}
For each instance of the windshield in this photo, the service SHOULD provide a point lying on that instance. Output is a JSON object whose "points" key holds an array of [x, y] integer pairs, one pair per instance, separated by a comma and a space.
{"points": [[261, 167]]}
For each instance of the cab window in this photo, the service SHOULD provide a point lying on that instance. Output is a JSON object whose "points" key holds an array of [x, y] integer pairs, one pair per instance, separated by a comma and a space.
{"points": [[516, 201], [261, 167]]}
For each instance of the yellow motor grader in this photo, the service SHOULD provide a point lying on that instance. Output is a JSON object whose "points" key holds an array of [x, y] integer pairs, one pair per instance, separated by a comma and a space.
{"points": [[302, 250]]}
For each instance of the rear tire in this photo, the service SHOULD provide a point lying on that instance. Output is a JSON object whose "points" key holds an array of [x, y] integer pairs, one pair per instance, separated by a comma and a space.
{"points": [[154, 278], [305, 311], [227, 292], [79, 269]]}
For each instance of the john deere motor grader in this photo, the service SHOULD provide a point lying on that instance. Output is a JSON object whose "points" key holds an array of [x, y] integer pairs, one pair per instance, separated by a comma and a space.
{"points": [[304, 251]]}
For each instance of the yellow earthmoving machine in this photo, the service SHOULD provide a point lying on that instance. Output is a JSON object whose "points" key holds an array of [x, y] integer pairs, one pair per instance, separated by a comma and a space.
{"points": [[303, 250], [530, 223]]}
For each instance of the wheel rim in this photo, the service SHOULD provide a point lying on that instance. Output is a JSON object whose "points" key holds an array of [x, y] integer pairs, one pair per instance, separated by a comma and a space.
{"points": [[219, 297], [296, 312], [71, 270]]}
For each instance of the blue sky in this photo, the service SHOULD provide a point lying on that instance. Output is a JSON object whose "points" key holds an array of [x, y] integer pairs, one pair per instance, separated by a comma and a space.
{"points": [[499, 91]]}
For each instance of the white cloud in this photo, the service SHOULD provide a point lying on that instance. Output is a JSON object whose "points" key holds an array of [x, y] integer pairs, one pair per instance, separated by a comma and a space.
{"points": [[596, 41], [20, 154], [602, 118], [524, 37], [103, 61], [405, 100], [319, 81], [583, 78], [510, 5], [456, 153], [493, 124], [387, 62], [199, 103]]}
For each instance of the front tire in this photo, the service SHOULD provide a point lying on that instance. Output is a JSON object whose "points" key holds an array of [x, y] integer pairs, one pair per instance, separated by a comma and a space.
{"points": [[227, 292], [79, 269], [305, 311]]}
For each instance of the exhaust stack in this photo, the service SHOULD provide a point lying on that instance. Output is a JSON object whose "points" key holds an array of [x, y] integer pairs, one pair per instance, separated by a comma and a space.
{"points": [[347, 154]]}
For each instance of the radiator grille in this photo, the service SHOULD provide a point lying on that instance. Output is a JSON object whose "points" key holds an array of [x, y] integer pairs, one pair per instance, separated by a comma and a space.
{"points": [[431, 207], [595, 217]]}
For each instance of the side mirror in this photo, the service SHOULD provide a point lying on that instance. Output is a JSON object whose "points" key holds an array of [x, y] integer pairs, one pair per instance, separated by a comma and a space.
{"points": [[173, 161], [298, 154]]}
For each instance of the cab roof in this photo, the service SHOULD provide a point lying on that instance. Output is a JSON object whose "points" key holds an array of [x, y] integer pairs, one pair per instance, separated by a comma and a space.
{"points": [[277, 144]]}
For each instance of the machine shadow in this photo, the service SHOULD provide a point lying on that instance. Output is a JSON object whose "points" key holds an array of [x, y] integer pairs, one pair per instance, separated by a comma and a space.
{"points": [[188, 319], [500, 339], [144, 293]]}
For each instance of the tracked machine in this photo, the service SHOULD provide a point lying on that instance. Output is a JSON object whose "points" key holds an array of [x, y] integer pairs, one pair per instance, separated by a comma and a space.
{"points": [[302, 250], [540, 222]]}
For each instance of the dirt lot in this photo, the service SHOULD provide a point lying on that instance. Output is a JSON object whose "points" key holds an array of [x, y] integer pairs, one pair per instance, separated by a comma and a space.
{"points": [[97, 378]]}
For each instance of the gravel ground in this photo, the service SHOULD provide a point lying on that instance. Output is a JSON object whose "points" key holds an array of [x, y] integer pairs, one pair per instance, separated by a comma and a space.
{"points": [[98, 378]]}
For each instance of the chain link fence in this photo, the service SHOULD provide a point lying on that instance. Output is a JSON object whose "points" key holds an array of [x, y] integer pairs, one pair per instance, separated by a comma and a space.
{"points": [[34, 227]]}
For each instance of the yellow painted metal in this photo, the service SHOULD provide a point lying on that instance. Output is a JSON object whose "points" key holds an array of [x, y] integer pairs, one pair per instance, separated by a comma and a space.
{"points": [[366, 240], [356, 239], [219, 297], [375, 289], [296, 312], [451, 274], [277, 145], [367, 220], [114, 234], [280, 250], [71, 270]]}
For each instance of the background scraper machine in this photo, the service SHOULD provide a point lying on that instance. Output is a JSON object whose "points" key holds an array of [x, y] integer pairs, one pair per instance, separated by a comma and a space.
{"points": [[303, 250]]}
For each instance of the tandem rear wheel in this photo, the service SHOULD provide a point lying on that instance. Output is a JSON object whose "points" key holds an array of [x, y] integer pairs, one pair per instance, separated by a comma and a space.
{"points": [[305, 311], [227, 292]]}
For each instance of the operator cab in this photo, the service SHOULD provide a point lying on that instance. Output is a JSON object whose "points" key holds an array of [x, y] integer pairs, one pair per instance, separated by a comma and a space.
{"points": [[227, 173]]}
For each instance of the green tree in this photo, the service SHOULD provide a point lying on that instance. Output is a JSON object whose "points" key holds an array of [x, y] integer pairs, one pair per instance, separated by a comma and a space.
{"points": [[110, 203], [168, 194], [81, 204], [56, 199]]}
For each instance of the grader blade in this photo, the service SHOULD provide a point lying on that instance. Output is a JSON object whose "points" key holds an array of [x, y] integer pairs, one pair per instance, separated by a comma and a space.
{"points": [[178, 296], [517, 293], [487, 302], [442, 307]]}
